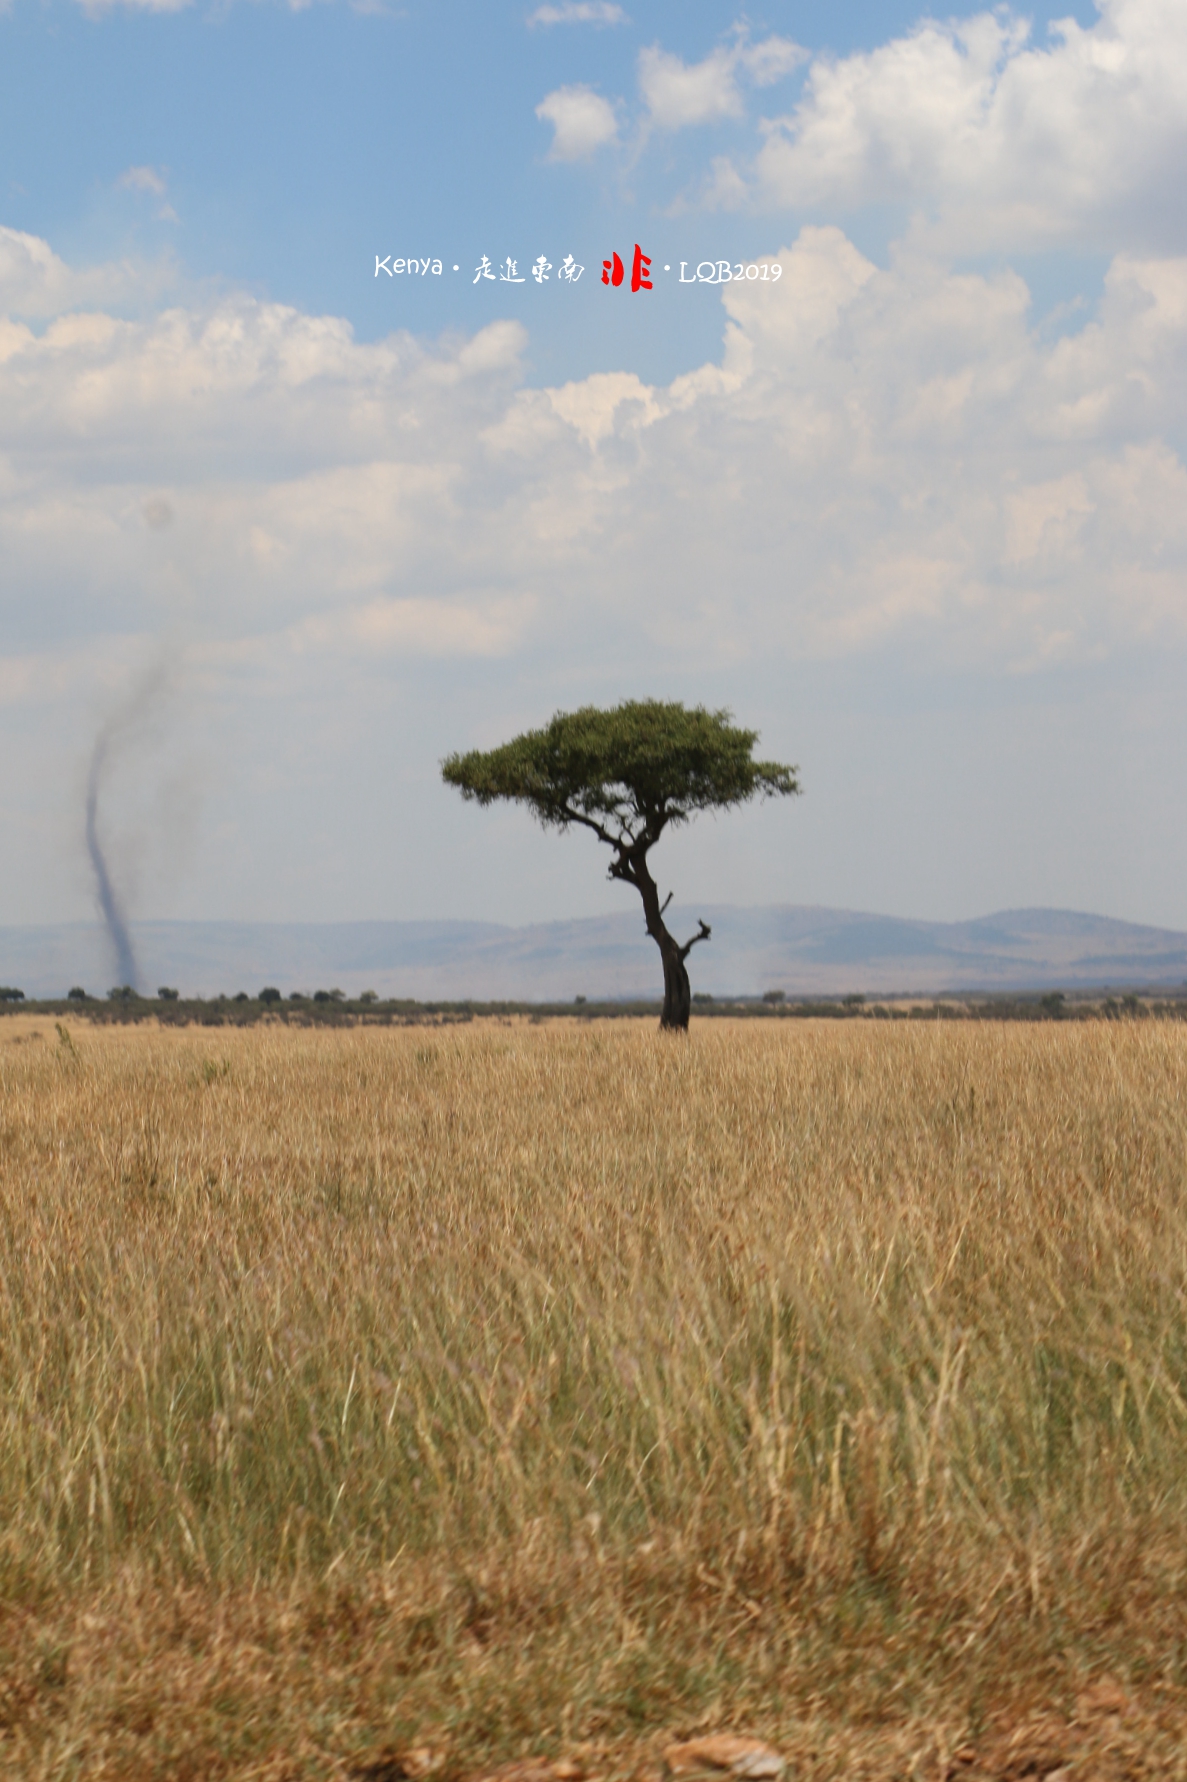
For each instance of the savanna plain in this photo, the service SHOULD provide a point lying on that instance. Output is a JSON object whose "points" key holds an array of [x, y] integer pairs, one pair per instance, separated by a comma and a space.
{"points": [[416, 1402]]}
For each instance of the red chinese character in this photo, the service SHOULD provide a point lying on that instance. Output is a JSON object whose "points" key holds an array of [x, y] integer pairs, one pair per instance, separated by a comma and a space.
{"points": [[640, 271], [612, 277]]}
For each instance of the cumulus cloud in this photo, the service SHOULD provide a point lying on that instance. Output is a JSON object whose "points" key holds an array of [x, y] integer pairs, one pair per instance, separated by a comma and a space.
{"points": [[416, 627], [98, 7], [884, 463], [143, 179], [579, 12], [677, 93], [34, 282], [878, 454], [150, 180], [1003, 143], [96, 400], [582, 122]]}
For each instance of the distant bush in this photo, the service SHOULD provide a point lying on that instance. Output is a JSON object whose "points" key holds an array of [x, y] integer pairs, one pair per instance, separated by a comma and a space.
{"points": [[579, 999], [10, 993], [296, 996], [76, 993], [369, 996], [321, 996], [773, 996], [701, 996], [122, 993], [242, 996], [853, 1001], [166, 994], [269, 994]]}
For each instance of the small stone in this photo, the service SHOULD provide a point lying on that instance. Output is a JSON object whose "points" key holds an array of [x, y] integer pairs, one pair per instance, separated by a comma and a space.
{"points": [[397, 1766], [749, 1758], [420, 1761], [1105, 1696], [536, 1769]]}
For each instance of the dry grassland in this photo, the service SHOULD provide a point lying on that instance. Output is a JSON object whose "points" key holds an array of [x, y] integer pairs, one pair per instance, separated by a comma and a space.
{"points": [[515, 1390]]}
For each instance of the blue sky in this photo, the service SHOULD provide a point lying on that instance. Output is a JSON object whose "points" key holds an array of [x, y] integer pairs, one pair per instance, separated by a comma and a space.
{"points": [[292, 531], [293, 144]]}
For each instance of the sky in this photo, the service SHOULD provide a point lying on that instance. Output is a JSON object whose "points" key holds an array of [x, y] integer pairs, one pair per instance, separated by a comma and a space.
{"points": [[889, 460]]}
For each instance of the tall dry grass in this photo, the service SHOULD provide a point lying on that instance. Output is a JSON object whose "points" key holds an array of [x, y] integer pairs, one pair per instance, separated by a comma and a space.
{"points": [[511, 1387]]}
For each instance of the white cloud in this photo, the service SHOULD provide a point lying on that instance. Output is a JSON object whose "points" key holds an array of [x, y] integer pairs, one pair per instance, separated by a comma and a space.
{"points": [[769, 61], [1004, 143], [579, 12], [725, 189], [879, 454], [594, 405], [149, 179], [374, 551], [678, 94], [581, 119], [34, 282], [96, 8], [415, 627], [99, 8], [143, 179]]}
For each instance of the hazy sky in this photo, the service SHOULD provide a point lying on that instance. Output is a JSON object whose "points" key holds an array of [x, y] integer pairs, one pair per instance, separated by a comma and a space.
{"points": [[285, 529]]}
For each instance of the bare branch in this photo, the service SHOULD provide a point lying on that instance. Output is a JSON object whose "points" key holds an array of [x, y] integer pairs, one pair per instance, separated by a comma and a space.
{"points": [[603, 834], [703, 933], [667, 900]]}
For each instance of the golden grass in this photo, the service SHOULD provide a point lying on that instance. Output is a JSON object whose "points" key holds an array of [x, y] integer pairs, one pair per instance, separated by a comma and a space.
{"points": [[548, 1389]]}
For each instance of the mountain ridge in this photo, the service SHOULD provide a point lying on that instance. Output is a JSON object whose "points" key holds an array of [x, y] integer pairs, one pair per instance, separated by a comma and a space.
{"points": [[803, 949]]}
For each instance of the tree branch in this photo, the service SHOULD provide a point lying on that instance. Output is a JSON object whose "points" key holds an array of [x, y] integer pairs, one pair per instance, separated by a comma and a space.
{"points": [[703, 933], [627, 846], [612, 841], [667, 900]]}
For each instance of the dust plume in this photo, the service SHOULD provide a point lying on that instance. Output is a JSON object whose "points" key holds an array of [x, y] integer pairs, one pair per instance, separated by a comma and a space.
{"points": [[109, 902], [120, 729]]}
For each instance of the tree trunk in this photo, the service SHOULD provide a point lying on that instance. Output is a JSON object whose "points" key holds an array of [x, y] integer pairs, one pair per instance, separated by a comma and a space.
{"points": [[677, 992]]}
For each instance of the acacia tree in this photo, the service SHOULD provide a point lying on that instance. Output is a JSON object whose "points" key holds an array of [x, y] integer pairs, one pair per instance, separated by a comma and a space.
{"points": [[629, 774]]}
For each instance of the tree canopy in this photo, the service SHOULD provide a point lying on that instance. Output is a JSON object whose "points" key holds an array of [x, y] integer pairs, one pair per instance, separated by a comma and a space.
{"points": [[627, 774]]}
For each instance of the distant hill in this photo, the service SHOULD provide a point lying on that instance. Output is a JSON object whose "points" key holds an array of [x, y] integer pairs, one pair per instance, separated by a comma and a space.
{"points": [[797, 948]]}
